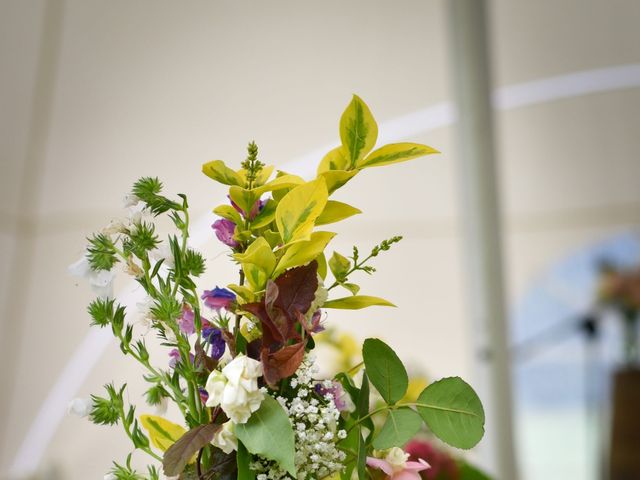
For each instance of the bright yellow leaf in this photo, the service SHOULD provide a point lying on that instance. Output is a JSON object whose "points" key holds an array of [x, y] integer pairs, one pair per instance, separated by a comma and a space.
{"points": [[303, 252], [336, 159], [358, 130], [336, 211], [228, 212], [162, 433], [395, 153], [357, 302], [259, 253], [298, 210], [218, 171], [337, 178]]}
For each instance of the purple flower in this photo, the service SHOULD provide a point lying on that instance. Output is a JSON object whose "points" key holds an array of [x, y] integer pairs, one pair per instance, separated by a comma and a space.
{"points": [[186, 320], [341, 399], [224, 231], [204, 395], [214, 337], [218, 298], [174, 357]]}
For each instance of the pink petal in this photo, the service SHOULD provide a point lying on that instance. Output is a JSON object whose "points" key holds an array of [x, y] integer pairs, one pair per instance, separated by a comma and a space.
{"points": [[381, 464], [405, 475], [417, 466]]}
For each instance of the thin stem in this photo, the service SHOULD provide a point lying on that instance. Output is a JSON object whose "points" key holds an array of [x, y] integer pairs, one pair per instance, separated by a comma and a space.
{"points": [[356, 266]]}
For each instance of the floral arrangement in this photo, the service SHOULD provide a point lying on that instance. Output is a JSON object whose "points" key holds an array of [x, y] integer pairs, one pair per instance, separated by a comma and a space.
{"points": [[241, 367]]}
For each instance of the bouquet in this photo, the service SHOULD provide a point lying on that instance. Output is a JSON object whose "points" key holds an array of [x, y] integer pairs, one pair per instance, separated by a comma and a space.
{"points": [[241, 367]]}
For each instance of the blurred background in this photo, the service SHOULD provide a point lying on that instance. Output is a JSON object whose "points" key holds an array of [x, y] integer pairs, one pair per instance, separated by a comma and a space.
{"points": [[503, 292]]}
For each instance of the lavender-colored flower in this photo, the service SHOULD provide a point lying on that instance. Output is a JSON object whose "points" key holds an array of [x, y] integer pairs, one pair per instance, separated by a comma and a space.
{"points": [[224, 231], [218, 298], [214, 337], [174, 357], [186, 320], [341, 399]]}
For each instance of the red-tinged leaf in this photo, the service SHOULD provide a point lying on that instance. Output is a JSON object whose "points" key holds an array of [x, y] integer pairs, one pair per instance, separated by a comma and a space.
{"points": [[282, 363], [270, 333], [179, 454], [278, 315], [297, 289]]}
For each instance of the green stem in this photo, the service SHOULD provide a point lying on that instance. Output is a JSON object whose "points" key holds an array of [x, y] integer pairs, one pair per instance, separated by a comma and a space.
{"points": [[127, 429], [356, 266]]}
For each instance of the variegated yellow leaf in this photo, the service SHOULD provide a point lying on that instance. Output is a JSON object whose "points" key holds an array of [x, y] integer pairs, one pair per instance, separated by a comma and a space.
{"points": [[162, 433], [303, 252], [298, 210], [358, 130], [219, 172], [337, 178], [395, 153], [357, 302], [336, 211], [336, 159]]}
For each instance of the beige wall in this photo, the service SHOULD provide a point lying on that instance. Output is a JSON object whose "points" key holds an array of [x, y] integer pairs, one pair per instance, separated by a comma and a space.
{"points": [[138, 88]]}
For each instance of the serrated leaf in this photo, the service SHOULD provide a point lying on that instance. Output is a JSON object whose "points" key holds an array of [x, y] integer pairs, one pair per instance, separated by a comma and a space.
{"points": [[356, 302], [453, 412], [335, 159], [395, 153], [400, 426], [162, 433], [335, 211], [177, 456], [268, 433], [298, 210], [303, 252], [358, 130], [218, 171], [386, 371]]}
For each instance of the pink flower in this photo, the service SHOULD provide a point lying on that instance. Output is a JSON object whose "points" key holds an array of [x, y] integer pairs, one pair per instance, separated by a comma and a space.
{"points": [[218, 298], [186, 320], [224, 231], [396, 466], [442, 464]]}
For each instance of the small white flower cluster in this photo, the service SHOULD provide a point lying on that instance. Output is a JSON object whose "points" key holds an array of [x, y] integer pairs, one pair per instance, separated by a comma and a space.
{"points": [[315, 428]]}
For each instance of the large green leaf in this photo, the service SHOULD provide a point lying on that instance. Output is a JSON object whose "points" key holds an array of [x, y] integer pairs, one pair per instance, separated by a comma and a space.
{"points": [[395, 153], [386, 371], [453, 412], [336, 211], [298, 210], [219, 172], [357, 302], [243, 460], [358, 130], [268, 433], [400, 426]]}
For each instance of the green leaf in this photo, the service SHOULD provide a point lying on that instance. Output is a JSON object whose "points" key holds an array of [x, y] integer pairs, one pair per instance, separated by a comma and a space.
{"points": [[453, 412], [279, 183], [266, 215], [357, 302], [303, 252], [385, 370], [322, 265], [244, 198], [469, 472], [337, 178], [352, 287], [362, 405], [339, 265], [244, 460], [358, 130], [395, 153], [268, 433], [336, 211], [177, 456], [298, 210], [228, 212], [219, 172], [400, 426], [258, 262]]}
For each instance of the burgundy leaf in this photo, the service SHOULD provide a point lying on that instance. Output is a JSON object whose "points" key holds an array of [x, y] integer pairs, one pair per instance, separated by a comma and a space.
{"points": [[283, 363], [297, 289], [179, 454]]}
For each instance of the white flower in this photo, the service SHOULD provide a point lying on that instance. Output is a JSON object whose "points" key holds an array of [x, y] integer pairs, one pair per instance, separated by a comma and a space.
{"points": [[397, 458], [80, 406], [215, 388], [110, 476], [161, 408], [235, 389], [163, 252], [225, 438], [101, 281], [130, 200]]}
